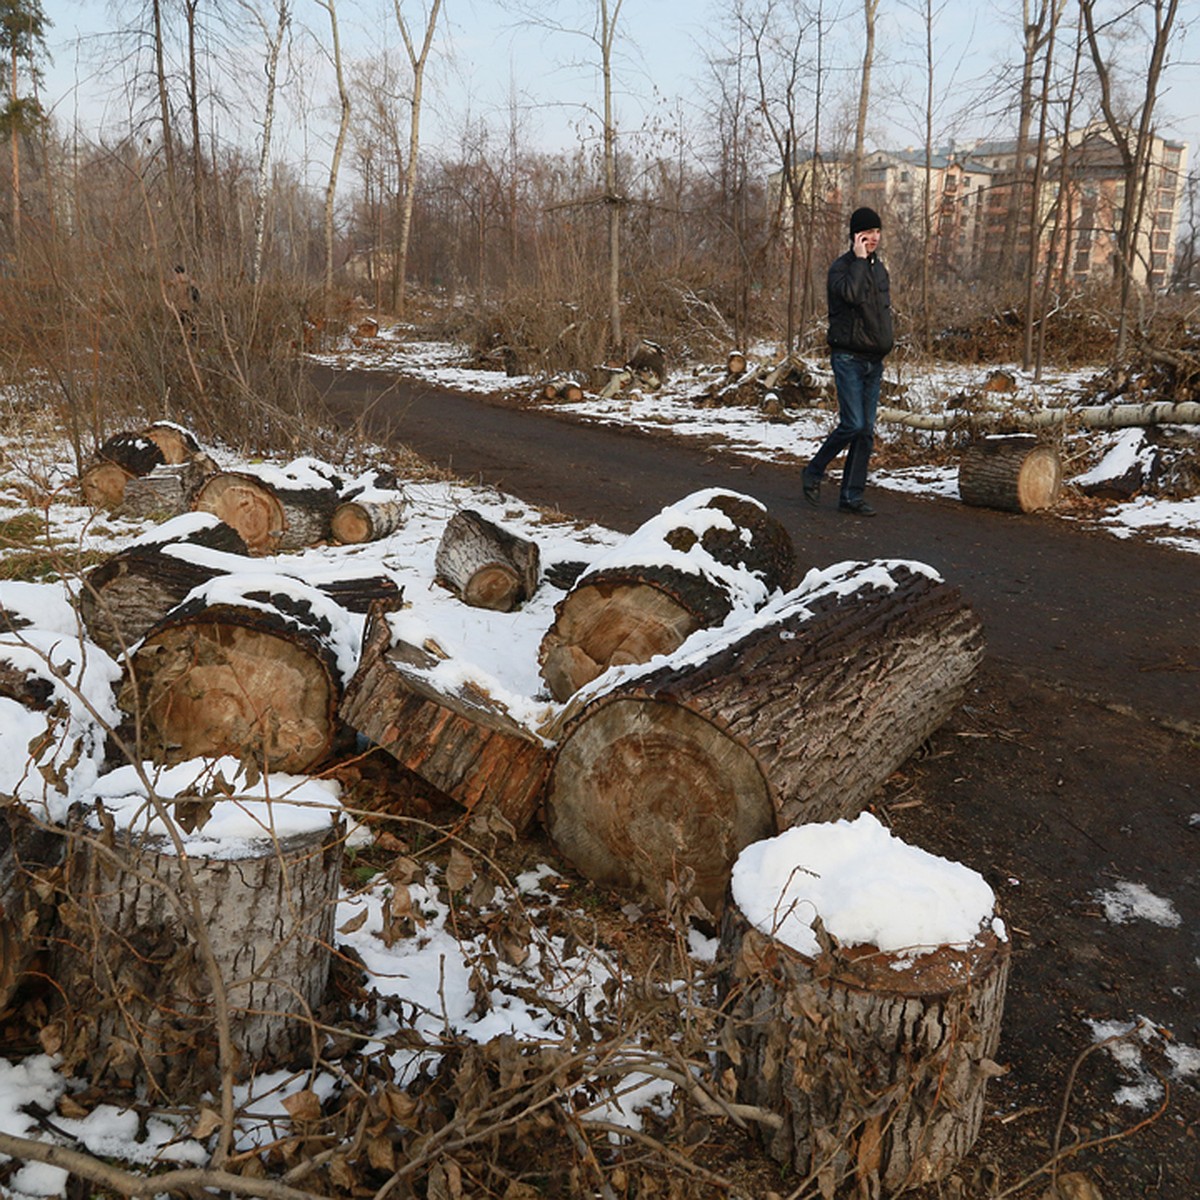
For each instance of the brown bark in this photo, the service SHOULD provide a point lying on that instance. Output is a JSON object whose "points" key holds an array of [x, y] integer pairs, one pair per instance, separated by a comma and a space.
{"points": [[670, 775], [1015, 473], [30, 855], [876, 1063], [166, 491], [139, 994], [462, 742], [485, 565], [271, 518], [259, 684], [627, 614]]}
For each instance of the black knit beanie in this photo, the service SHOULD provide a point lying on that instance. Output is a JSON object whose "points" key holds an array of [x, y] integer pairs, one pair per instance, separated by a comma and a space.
{"points": [[864, 218]]}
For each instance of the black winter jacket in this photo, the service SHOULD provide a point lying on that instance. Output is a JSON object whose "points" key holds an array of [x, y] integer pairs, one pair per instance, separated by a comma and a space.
{"points": [[860, 306]]}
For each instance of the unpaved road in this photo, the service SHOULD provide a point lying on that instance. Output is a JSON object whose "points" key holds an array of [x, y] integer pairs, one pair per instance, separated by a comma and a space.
{"points": [[1072, 768]]}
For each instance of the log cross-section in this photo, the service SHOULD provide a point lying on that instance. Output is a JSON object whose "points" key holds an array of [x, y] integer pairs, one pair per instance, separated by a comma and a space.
{"points": [[486, 565], [1015, 473], [669, 773]]}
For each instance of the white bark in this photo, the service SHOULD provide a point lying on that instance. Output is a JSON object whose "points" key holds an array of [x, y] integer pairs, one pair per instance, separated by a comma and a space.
{"points": [[274, 44], [1099, 416]]}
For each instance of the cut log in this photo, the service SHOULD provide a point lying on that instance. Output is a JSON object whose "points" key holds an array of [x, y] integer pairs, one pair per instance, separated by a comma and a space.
{"points": [[166, 491], [367, 518], [875, 1062], [485, 565], [177, 444], [670, 773], [256, 676], [456, 737], [133, 590], [103, 484], [735, 364], [635, 603], [1093, 416], [619, 378], [566, 391], [275, 509], [1016, 473], [649, 365], [139, 993]]}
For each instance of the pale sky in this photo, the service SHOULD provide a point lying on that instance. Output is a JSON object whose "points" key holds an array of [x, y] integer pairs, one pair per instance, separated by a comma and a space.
{"points": [[483, 56]]}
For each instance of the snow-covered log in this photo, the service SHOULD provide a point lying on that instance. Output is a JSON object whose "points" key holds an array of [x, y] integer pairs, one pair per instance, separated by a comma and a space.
{"points": [[275, 509], [1097, 416], [1012, 472], [798, 714], [454, 737], [133, 454], [485, 565], [875, 1056], [683, 570]]}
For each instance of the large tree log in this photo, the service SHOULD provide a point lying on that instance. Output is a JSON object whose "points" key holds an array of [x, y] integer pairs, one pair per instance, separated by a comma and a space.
{"points": [[486, 565], [1016, 473], [671, 772], [681, 571], [876, 1061], [166, 491], [138, 989], [275, 509], [247, 666], [1095, 416], [131, 454], [134, 589], [457, 739]]}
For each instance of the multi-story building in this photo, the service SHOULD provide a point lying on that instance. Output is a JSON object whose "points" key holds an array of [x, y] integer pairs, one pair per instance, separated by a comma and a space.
{"points": [[979, 209]]}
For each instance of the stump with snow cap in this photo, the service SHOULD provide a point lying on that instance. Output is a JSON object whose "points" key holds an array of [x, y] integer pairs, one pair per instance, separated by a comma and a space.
{"points": [[683, 570], [863, 997], [249, 666], [797, 714]]}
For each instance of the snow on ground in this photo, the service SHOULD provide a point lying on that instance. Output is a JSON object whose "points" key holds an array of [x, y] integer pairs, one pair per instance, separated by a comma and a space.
{"points": [[429, 972]]}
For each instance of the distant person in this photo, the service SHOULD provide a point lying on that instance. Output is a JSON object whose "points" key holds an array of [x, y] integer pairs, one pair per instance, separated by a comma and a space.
{"points": [[860, 336], [184, 296]]}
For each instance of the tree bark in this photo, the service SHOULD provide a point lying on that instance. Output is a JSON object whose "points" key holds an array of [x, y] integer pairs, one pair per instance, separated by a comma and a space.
{"points": [[669, 775], [259, 683], [270, 517], [461, 742], [1095, 416], [627, 613], [1016, 474], [877, 1063], [485, 565], [140, 1005], [366, 519]]}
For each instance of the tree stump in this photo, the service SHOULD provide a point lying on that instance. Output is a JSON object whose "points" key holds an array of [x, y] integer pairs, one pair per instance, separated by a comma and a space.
{"points": [[255, 675], [274, 509], [670, 773], [138, 989], [133, 590], [458, 740], [485, 565], [681, 571], [876, 1061], [1013, 472]]}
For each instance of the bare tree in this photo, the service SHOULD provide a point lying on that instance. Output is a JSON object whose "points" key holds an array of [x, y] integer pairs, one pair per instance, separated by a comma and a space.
{"points": [[870, 7], [330, 7], [22, 37]]}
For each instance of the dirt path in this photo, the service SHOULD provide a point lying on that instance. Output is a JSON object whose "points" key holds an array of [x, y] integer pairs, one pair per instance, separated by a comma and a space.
{"points": [[1073, 767]]}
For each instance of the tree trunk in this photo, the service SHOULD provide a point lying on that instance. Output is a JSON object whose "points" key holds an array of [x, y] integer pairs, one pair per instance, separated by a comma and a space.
{"points": [[270, 516], [1093, 416], [1016, 473], [461, 741], [876, 1062], [669, 775], [366, 519], [626, 613], [139, 992], [132, 591], [484, 565], [167, 491], [131, 454], [259, 681]]}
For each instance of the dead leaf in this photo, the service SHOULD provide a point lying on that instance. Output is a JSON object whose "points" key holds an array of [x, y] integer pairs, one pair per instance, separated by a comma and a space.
{"points": [[459, 871], [354, 924], [381, 1154], [400, 1106], [303, 1106]]}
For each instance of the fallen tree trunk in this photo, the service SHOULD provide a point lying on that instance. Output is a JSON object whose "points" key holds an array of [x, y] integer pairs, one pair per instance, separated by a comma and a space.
{"points": [[485, 565], [1099, 416], [877, 1062], [663, 779], [1016, 473], [255, 675], [644, 599], [366, 518], [138, 989], [275, 509], [456, 738]]}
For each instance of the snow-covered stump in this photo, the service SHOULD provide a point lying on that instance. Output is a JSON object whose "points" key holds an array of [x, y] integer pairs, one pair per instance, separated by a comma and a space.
{"points": [[1015, 472], [258, 876], [863, 994], [685, 569], [485, 565], [797, 714]]}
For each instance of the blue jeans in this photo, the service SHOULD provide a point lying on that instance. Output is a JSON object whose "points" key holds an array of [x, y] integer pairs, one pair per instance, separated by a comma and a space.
{"points": [[858, 380]]}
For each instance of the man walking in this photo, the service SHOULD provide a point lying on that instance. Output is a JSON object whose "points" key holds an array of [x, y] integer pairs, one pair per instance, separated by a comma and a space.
{"points": [[860, 336]]}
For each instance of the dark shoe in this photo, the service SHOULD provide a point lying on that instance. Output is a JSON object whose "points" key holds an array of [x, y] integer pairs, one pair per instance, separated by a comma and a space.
{"points": [[861, 509], [812, 488]]}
